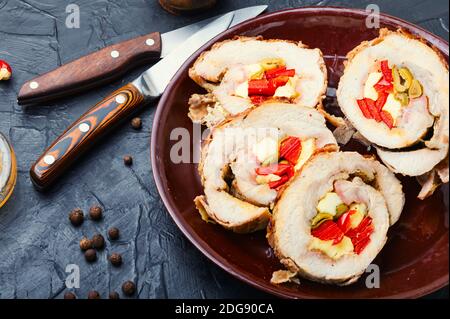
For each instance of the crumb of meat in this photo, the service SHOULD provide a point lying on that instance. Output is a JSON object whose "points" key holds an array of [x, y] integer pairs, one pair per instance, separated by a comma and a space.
{"points": [[205, 109], [284, 276]]}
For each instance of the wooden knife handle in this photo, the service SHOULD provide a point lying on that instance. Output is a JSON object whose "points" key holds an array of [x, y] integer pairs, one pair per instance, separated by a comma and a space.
{"points": [[82, 134], [92, 70]]}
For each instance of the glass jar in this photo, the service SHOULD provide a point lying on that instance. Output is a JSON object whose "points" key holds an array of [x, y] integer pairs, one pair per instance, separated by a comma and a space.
{"points": [[186, 6], [8, 170]]}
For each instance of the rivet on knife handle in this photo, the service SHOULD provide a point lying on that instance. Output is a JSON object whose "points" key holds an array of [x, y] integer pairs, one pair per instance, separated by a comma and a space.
{"points": [[92, 70], [96, 122]]}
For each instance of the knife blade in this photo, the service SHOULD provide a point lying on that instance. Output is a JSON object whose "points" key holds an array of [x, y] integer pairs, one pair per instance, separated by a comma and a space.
{"points": [[112, 62], [116, 107]]}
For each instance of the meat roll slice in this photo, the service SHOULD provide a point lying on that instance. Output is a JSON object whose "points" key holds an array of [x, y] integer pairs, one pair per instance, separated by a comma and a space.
{"points": [[247, 162], [395, 92], [244, 72], [332, 220]]}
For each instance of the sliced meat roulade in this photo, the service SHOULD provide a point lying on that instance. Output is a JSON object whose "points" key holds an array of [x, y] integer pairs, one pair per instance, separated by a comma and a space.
{"points": [[244, 72], [395, 92], [332, 220], [247, 161]]}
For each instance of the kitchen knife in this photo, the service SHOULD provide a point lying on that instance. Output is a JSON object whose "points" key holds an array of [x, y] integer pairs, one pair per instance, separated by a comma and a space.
{"points": [[119, 105], [113, 61]]}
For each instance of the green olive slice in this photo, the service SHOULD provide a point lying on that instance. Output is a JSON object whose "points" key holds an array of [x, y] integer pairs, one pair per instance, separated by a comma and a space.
{"points": [[403, 98], [406, 76], [340, 209], [320, 218], [415, 90]]}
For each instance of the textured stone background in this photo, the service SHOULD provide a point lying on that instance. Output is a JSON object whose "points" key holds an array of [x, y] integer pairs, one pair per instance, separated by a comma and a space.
{"points": [[36, 241]]}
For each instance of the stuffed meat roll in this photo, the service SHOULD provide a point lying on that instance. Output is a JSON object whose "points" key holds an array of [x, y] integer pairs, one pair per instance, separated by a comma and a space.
{"points": [[247, 162], [395, 92], [244, 72], [332, 220]]}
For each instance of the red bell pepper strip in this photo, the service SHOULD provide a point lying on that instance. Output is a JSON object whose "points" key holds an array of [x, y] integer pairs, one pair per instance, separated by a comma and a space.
{"points": [[278, 81], [290, 149], [359, 247], [381, 101], [277, 184], [360, 234], [257, 99], [373, 110], [386, 70], [344, 222], [260, 87], [281, 71], [276, 169], [383, 85], [387, 119], [363, 107], [273, 73], [328, 230]]}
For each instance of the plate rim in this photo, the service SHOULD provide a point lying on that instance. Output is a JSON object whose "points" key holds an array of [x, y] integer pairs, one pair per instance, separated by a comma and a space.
{"points": [[193, 237]]}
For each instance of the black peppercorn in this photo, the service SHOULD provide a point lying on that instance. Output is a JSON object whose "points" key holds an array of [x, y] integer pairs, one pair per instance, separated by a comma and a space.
{"points": [[115, 259], [90, 255], [85, 244], [76, 217], [96, 212], [114, 295], [128, 160], [69, 295], [129, 288], [98, 242], [136, 123], [113, 233], [93, 295]]}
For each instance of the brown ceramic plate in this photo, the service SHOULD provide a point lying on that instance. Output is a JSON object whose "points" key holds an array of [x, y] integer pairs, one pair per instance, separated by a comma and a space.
{"points": [[415, 260]]}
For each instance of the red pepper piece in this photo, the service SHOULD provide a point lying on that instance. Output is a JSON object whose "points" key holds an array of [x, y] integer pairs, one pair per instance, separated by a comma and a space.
{"points": [[276, 169], [281, 71], [383, 85], [273, 73], [387, 119], [363, 107], [290, 149], [381, 101], [360, 236], [257, 99], [344, 222], [328, 230], [260, 87], [373, 110], [359, 247], [278, 81], [386, 70], [277, 184]]}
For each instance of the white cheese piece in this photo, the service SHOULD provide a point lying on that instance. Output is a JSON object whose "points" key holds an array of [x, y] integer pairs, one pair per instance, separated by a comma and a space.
{"points": [[242, 90], [266, 148], [369, 90], [329, 203], [264, 179], [308, 149], [254, 71], [288, 90], [393, 107]]}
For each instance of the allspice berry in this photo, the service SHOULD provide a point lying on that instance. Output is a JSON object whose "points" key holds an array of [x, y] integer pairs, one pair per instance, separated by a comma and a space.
{"points": [[85, 244], [76, 217], [113, 233], [98, 242], [129, 288], [114, 295], [90, 255], [96, 212], [115, 259], [127, 160], [93, 294], [136, 123], [69, 295]]}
